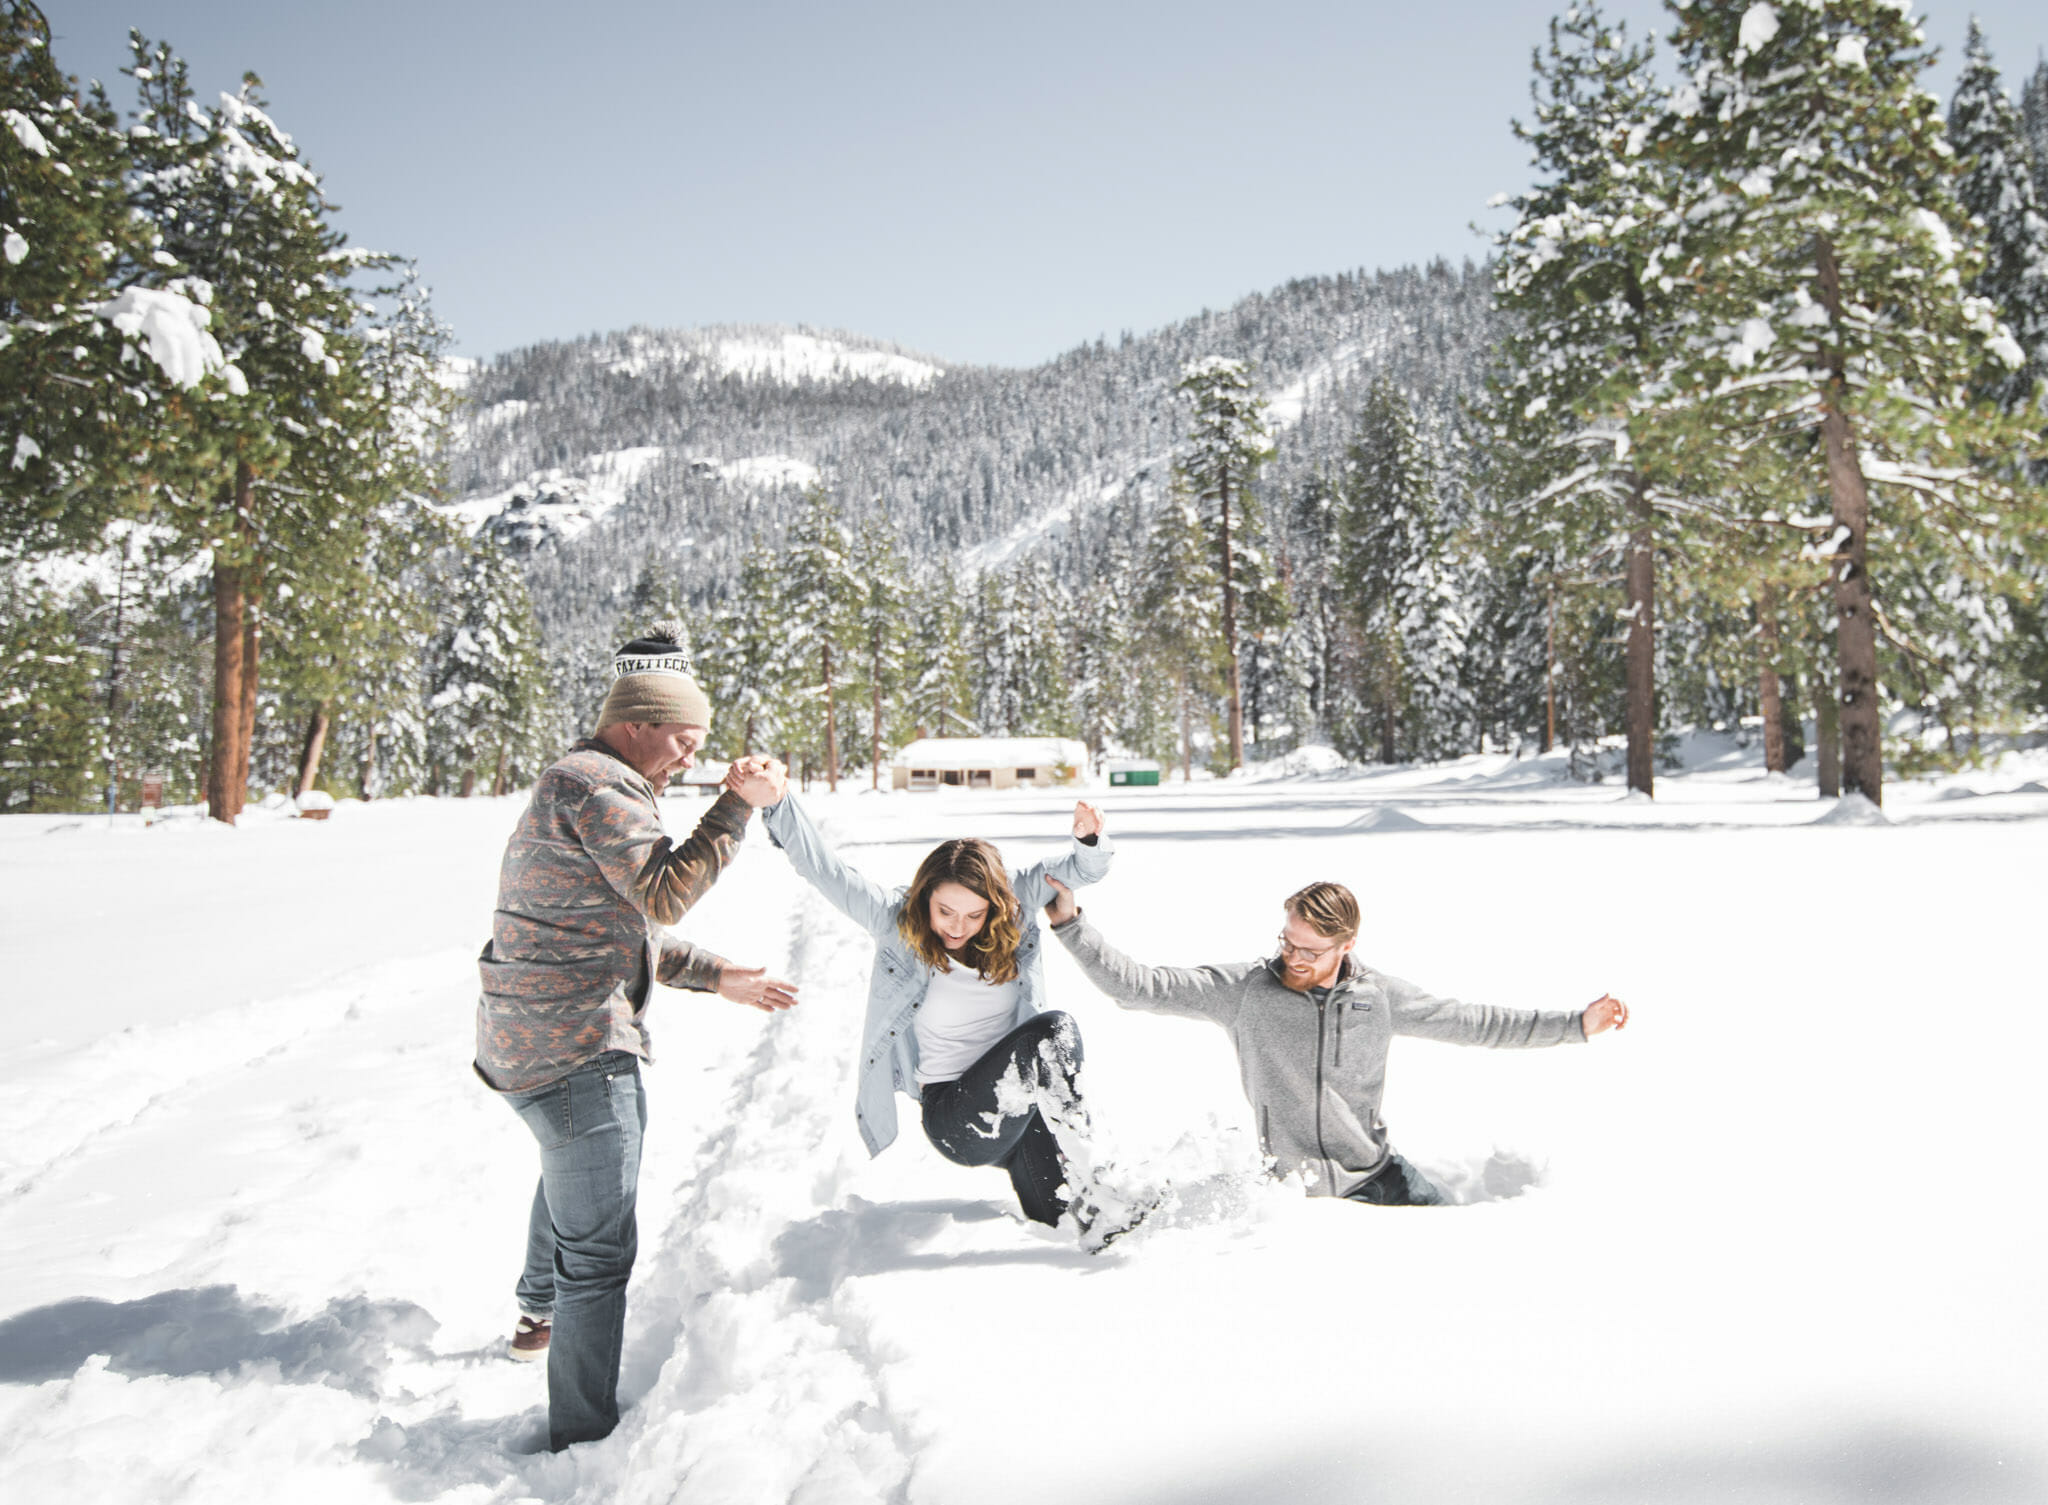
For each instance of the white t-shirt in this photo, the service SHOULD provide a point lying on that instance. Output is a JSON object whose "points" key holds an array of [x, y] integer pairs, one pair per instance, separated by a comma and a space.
{"points": [[961, 1017]]}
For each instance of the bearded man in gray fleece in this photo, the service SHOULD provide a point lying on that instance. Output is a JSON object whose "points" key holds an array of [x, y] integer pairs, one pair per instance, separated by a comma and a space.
{"points": [[1311, 1025], [589, 882]]}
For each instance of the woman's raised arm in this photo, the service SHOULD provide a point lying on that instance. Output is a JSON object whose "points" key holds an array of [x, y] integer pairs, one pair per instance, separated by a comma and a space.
{"points": [[851, 892], [1085, 861]]}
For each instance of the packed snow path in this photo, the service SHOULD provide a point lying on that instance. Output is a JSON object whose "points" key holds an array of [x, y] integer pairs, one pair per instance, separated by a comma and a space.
{"points": [[258, 1223]]}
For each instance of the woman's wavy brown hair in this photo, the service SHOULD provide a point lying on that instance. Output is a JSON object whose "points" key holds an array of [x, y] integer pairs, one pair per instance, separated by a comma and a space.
{"points": [[975, 865]]}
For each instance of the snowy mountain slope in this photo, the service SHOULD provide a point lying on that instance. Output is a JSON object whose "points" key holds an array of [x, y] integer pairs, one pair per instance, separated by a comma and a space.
{"points": [[975, 463], [1774, 1241], [766, 354]]}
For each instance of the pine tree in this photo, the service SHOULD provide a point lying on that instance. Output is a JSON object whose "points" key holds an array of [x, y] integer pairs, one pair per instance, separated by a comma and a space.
{"points": [[1316, 641], [1392, 570], [352, 626], [1045, 707], [354, 601], [1827, 273], [98, 344], [1228, 442], [1997, 188], [270, 464], [2034, 120], [880, 627], [999, 656], [1179, 595], [746, 661], [1102, 651], [488, 687], [819, 597], [656, 596], [1583, 271], [941, 694], [50, 721]]}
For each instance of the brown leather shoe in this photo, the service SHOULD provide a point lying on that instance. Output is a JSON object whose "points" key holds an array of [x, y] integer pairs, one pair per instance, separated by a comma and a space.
{"points": [[530, 1338]]}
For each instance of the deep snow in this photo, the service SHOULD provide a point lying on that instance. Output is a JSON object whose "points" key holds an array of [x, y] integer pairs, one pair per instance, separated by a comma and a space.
{"points": [[1778, 1240]]}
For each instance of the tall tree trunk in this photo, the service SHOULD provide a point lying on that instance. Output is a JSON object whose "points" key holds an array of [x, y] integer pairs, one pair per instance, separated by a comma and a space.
{"points": [[1790, 719], [498, 774], [875, 738], [1550, 674], [252, 631], [1769, 701], [469, 781], [1230, 633], [1254, 706], [315, 744], [252, 658], [1640, 666], [366, 783], [1855, 620], [1187, 754], [227, 691], [1827, 735], [114, 686], [831, 728]]}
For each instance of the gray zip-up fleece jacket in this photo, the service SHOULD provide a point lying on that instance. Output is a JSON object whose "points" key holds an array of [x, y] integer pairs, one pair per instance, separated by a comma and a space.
{"points": [[1313, 1064]]}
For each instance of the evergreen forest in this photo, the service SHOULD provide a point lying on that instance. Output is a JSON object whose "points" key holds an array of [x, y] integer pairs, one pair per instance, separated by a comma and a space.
{"points": [[1740, 423]]}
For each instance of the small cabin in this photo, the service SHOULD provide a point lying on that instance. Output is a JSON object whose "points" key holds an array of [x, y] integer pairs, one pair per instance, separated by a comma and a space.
{"points": [[1124, 772], [707, 779], [988, 763]]}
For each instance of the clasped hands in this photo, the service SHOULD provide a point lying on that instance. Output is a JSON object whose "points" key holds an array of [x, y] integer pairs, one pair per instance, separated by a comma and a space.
{"points": [[758, 779]]}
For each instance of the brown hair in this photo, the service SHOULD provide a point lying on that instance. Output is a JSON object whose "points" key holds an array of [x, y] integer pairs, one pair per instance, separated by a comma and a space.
{"points": [[1329, 909], [977, 866]]}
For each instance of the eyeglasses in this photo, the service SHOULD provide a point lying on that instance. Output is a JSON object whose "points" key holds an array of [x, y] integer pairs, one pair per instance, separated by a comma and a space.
{"points": [[1306, 953]]}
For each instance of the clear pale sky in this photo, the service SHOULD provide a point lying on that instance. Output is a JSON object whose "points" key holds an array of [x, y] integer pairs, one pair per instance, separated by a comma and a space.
{"points": [[980, 182]]}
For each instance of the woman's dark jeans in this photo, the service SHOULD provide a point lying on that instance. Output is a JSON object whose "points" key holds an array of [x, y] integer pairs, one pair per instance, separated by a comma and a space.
{"points": [[963, 1120]]}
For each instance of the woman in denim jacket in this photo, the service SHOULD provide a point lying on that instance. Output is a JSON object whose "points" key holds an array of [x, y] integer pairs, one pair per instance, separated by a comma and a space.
{"points": [[955, 1013]]}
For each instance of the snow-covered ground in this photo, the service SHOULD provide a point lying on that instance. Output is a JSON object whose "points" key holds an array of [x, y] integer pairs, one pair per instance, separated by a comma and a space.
{"points": [[1779, 1240]]}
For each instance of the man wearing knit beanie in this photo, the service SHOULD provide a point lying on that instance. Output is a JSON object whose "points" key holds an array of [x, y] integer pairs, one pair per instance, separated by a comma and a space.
{"points": [[589, 882]]}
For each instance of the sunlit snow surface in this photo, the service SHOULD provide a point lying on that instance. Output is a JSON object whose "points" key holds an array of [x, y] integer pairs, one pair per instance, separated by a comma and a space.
{"points": [[1780, 1240]]}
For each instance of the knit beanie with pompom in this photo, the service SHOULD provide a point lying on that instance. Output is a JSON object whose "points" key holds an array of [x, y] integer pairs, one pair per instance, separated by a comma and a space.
{"points": [[652, 682]]}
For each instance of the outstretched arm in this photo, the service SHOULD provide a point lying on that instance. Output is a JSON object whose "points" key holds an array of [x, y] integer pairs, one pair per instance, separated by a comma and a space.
{"points": [[1197, 992], [1415, 1012], [852, 893], [657, 876], [686, 966]]}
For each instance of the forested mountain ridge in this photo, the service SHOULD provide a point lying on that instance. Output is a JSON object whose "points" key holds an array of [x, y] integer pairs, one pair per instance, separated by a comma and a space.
{"points": [[1715, 437], [586, 456]]}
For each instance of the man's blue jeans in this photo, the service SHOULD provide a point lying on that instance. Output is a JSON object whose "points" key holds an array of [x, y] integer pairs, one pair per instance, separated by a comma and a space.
{"points": [[583, 1234]]}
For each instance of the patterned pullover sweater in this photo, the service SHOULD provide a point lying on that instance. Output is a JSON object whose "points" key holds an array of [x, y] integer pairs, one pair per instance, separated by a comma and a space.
{"points": [[589, 880]]}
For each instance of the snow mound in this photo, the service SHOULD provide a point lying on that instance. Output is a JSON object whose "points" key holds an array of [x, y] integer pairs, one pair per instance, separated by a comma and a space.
{"points": [[1316, 757], [1853, 810], [1498, 1178], [1386, 818], [2032, 786]]}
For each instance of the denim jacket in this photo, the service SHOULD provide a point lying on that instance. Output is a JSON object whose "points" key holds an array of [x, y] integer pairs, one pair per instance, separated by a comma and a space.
{"points": [[888, 1052]]}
